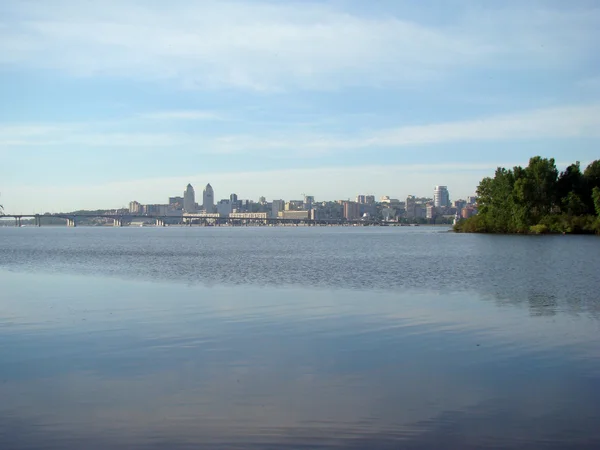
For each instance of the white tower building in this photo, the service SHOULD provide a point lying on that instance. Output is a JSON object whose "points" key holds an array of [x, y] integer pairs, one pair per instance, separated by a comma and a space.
{"points": [[441, 197]]}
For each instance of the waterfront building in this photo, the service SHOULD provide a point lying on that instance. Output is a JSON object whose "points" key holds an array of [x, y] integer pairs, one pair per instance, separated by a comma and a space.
{"points": [[294, 205], [441, 197], [276, 206], [224, 207], [189, 199], [135, 207], [208, 199], [468, 211], [298, 215], [176, 202], [248, 215], [410, 207], [460, 204], [351, 210], [430, 211], [308, 202]]}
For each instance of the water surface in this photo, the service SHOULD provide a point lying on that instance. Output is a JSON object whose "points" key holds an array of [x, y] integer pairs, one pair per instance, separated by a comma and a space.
{"points": [[297, 338]]}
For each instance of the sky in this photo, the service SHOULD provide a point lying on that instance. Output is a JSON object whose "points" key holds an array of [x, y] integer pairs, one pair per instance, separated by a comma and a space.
{"points": [[106, 102]]}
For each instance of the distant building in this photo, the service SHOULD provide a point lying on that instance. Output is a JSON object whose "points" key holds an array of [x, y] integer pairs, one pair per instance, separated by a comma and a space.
{"points": [[189, 199], [176, 203], [298, 215], [308, 202], [410, 207], [460, 204], [361, 199], [388, 214], [370, 199], [135, 207], [276, 206], [159, 210], [431, 212], [262, 200], [248, 215], [468, 211], [224, 207], [208, 199], [351, 211], [471, 200], [294, 205], [233, 198], [389, 201], [441, 197]]}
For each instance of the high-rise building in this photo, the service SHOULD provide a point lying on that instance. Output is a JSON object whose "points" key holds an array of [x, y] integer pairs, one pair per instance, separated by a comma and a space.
{"points": [[361, 198], [351, 210], [189, 199], [441, 197], [369, 199], [308, 202], [208, 199], [233, 198], [135, 207], [276, 206], [471, 200]]}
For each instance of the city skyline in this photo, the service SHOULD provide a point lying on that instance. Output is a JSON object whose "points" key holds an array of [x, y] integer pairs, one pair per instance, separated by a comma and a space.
{"points": [[104, 103]]}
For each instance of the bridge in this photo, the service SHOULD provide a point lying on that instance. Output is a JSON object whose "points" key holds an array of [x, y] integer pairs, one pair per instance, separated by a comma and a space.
{"points": [[120, 220]]}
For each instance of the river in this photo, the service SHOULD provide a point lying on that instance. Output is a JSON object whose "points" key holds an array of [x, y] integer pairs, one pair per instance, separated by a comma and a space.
{"points": [[307, 337]]}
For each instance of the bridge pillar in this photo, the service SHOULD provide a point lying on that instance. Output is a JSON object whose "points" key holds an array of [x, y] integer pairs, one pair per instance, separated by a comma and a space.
{"points": [[117, 222], [38, 220], [71, 222], [17, 221]]}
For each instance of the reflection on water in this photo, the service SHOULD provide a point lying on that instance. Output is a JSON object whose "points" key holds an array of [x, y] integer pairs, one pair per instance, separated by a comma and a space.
{"points": [[99, 358]]}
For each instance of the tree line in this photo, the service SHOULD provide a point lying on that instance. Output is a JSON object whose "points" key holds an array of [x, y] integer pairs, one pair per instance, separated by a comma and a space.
{"points": [[538, 199]]}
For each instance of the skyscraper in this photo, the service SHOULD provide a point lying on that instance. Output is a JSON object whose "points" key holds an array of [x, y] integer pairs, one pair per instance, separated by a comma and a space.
{"points": [[208, 199], [441, 197], [233, 198], [189, 199]]}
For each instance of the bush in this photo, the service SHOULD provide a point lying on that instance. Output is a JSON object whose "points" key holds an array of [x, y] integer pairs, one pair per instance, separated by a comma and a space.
{"points": [[538, 229]]}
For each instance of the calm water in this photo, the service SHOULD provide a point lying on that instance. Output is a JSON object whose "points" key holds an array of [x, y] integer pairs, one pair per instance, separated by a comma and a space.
{"points": [[374, 338]]}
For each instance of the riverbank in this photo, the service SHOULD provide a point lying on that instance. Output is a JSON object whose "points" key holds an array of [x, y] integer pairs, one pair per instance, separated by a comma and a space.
{"points": [[552, 224]]}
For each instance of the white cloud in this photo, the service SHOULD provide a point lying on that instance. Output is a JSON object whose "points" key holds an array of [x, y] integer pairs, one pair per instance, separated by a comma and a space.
{"points": [[267, 45], [556, 123]]}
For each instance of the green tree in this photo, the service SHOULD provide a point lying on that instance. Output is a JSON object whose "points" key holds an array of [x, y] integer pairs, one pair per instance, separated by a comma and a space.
{"points": [[536, 190], [535, 199], [596, 198]]}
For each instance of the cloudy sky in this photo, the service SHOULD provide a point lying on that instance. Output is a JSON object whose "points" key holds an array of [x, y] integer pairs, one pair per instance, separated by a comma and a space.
{"points": [[106, 102]]}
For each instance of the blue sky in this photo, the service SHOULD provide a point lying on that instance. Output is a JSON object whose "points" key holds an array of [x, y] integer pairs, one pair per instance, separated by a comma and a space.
{"points": [[106, 102]]}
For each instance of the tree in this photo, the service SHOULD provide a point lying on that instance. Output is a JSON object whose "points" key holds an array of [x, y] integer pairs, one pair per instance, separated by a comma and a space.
{"points": [[536, 199], [571, 192], [596, 198]]}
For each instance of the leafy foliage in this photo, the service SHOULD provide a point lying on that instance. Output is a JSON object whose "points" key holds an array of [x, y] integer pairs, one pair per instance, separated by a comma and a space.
{"points": [[537, 199]]}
